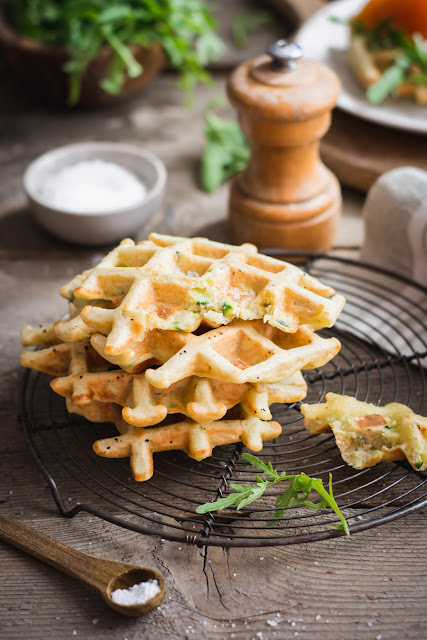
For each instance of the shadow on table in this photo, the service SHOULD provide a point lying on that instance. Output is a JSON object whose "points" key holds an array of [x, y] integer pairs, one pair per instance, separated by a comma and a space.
{"points": [[217, 231], [20, 232]]}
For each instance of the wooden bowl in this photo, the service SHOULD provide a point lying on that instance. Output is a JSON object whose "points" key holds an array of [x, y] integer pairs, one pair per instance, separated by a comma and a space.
{"points": [[39, 67]]}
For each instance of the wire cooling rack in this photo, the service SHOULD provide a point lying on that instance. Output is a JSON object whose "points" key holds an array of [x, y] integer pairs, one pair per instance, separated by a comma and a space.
{"points": [[383, 334]]}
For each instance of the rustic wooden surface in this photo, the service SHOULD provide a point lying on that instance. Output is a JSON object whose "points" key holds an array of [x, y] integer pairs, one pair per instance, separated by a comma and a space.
{"points": [[366, 587], [359, 151]]}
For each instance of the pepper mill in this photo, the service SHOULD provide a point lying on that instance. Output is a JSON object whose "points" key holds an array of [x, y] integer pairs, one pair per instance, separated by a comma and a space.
{"points": [[285, 197]]}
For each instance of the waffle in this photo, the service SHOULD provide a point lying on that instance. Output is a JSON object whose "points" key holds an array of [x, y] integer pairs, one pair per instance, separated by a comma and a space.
{"points": [[72, 329], [366, 434], [156, 348], [65, 359], [240, 352], [201, 399], [246, 352], [41, 336], [195, 439], [176, 283]]}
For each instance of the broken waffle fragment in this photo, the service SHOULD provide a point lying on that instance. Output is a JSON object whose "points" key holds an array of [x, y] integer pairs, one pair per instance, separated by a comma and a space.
{"points": [[366, 434]]}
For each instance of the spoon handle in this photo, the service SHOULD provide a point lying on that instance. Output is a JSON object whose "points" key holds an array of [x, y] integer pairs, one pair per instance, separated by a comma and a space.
{"points": [[95, 572]]}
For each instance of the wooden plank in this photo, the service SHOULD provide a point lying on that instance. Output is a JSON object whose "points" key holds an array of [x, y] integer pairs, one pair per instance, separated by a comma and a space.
{"points": [[336, 589], [365, 587], [358, 152]]}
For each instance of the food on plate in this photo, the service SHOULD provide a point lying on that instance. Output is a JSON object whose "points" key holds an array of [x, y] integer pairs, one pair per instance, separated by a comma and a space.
{"points": [[128, 354], [388, 49], [409, 15], [366, 434]]}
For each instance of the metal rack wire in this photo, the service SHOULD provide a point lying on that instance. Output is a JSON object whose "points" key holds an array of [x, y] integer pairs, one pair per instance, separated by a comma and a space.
{"points": [[384, 351]]}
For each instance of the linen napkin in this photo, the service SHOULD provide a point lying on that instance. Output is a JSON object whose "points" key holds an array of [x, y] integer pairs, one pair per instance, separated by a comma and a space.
{"points": [[395, 218]]}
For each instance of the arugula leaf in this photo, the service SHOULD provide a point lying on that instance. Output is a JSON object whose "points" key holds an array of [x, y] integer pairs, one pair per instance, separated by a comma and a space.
{"points": [[226, 152], [410, 64], [185, 29], [389, 81], [298, 492]]}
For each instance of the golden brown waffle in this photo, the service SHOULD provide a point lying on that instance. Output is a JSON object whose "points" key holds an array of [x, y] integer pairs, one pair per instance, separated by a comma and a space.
{"points": [[65, 359], [201, 399], [366, 434], [241, 352], [177, 283], [156, 348], [70, 329], [195, 439], [42, 336], [246, 352]]}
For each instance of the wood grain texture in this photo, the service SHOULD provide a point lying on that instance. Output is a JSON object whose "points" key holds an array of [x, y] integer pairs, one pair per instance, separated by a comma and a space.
{"points": [[336, 589], [369, 586], [358, 152]]}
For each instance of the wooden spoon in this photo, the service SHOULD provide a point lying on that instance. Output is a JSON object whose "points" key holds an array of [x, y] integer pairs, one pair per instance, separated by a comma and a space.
{"points": [[104, 575]]}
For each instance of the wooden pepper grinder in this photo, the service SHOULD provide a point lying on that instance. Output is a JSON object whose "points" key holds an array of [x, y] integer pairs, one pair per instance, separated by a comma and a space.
{"points": [[285, 197]]}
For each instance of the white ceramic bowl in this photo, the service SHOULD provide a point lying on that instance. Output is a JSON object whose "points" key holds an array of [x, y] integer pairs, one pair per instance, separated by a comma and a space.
{"points": [[96, 228]]}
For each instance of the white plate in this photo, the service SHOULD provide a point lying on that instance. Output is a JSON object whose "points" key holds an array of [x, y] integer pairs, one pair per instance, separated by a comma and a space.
{"points": [[325, 41]]}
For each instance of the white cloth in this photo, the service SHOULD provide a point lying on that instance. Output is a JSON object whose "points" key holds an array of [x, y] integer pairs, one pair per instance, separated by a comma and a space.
{"points": [[395, 216]]}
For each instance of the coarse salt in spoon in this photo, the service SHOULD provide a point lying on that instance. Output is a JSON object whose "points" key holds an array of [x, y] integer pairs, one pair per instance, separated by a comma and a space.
{"points": [[128, 589]]}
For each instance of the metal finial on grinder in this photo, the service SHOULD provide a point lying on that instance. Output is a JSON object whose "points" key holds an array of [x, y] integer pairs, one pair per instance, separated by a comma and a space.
{"points": [[285, 55]]}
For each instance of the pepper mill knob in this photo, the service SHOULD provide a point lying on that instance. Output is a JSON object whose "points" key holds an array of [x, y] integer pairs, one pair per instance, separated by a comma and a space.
{"points": [[285, 55], [285, 196]]}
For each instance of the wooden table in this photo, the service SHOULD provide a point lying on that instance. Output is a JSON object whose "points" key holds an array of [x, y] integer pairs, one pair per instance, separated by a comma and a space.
{"points": [[364, 587]]}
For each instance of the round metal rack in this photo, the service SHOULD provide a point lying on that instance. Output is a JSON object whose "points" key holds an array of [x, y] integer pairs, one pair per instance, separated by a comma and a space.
{"points": [[383, 358]]}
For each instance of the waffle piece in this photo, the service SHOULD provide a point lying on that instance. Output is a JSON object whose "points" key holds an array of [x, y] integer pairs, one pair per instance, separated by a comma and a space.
{"points": [[177, 283], [366, 434], [246, 352], [71, 329], [67, 290], [97, 411], [65, 358], [156, 348], [42, 336], [201, 399], [195, 439]]}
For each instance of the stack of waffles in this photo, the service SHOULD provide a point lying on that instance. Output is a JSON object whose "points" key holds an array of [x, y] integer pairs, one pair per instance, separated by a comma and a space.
{"points": [[213, 332]]}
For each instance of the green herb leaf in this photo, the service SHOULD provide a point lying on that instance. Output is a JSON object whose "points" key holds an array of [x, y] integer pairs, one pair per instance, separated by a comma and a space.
{"points": [[298, 492], [389, 81], [226, 152], [185, 29], [410, 64], [226, 307]]}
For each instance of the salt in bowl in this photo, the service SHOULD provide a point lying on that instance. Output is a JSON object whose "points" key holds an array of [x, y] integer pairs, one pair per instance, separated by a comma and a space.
{"points": [[86, 227]]}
